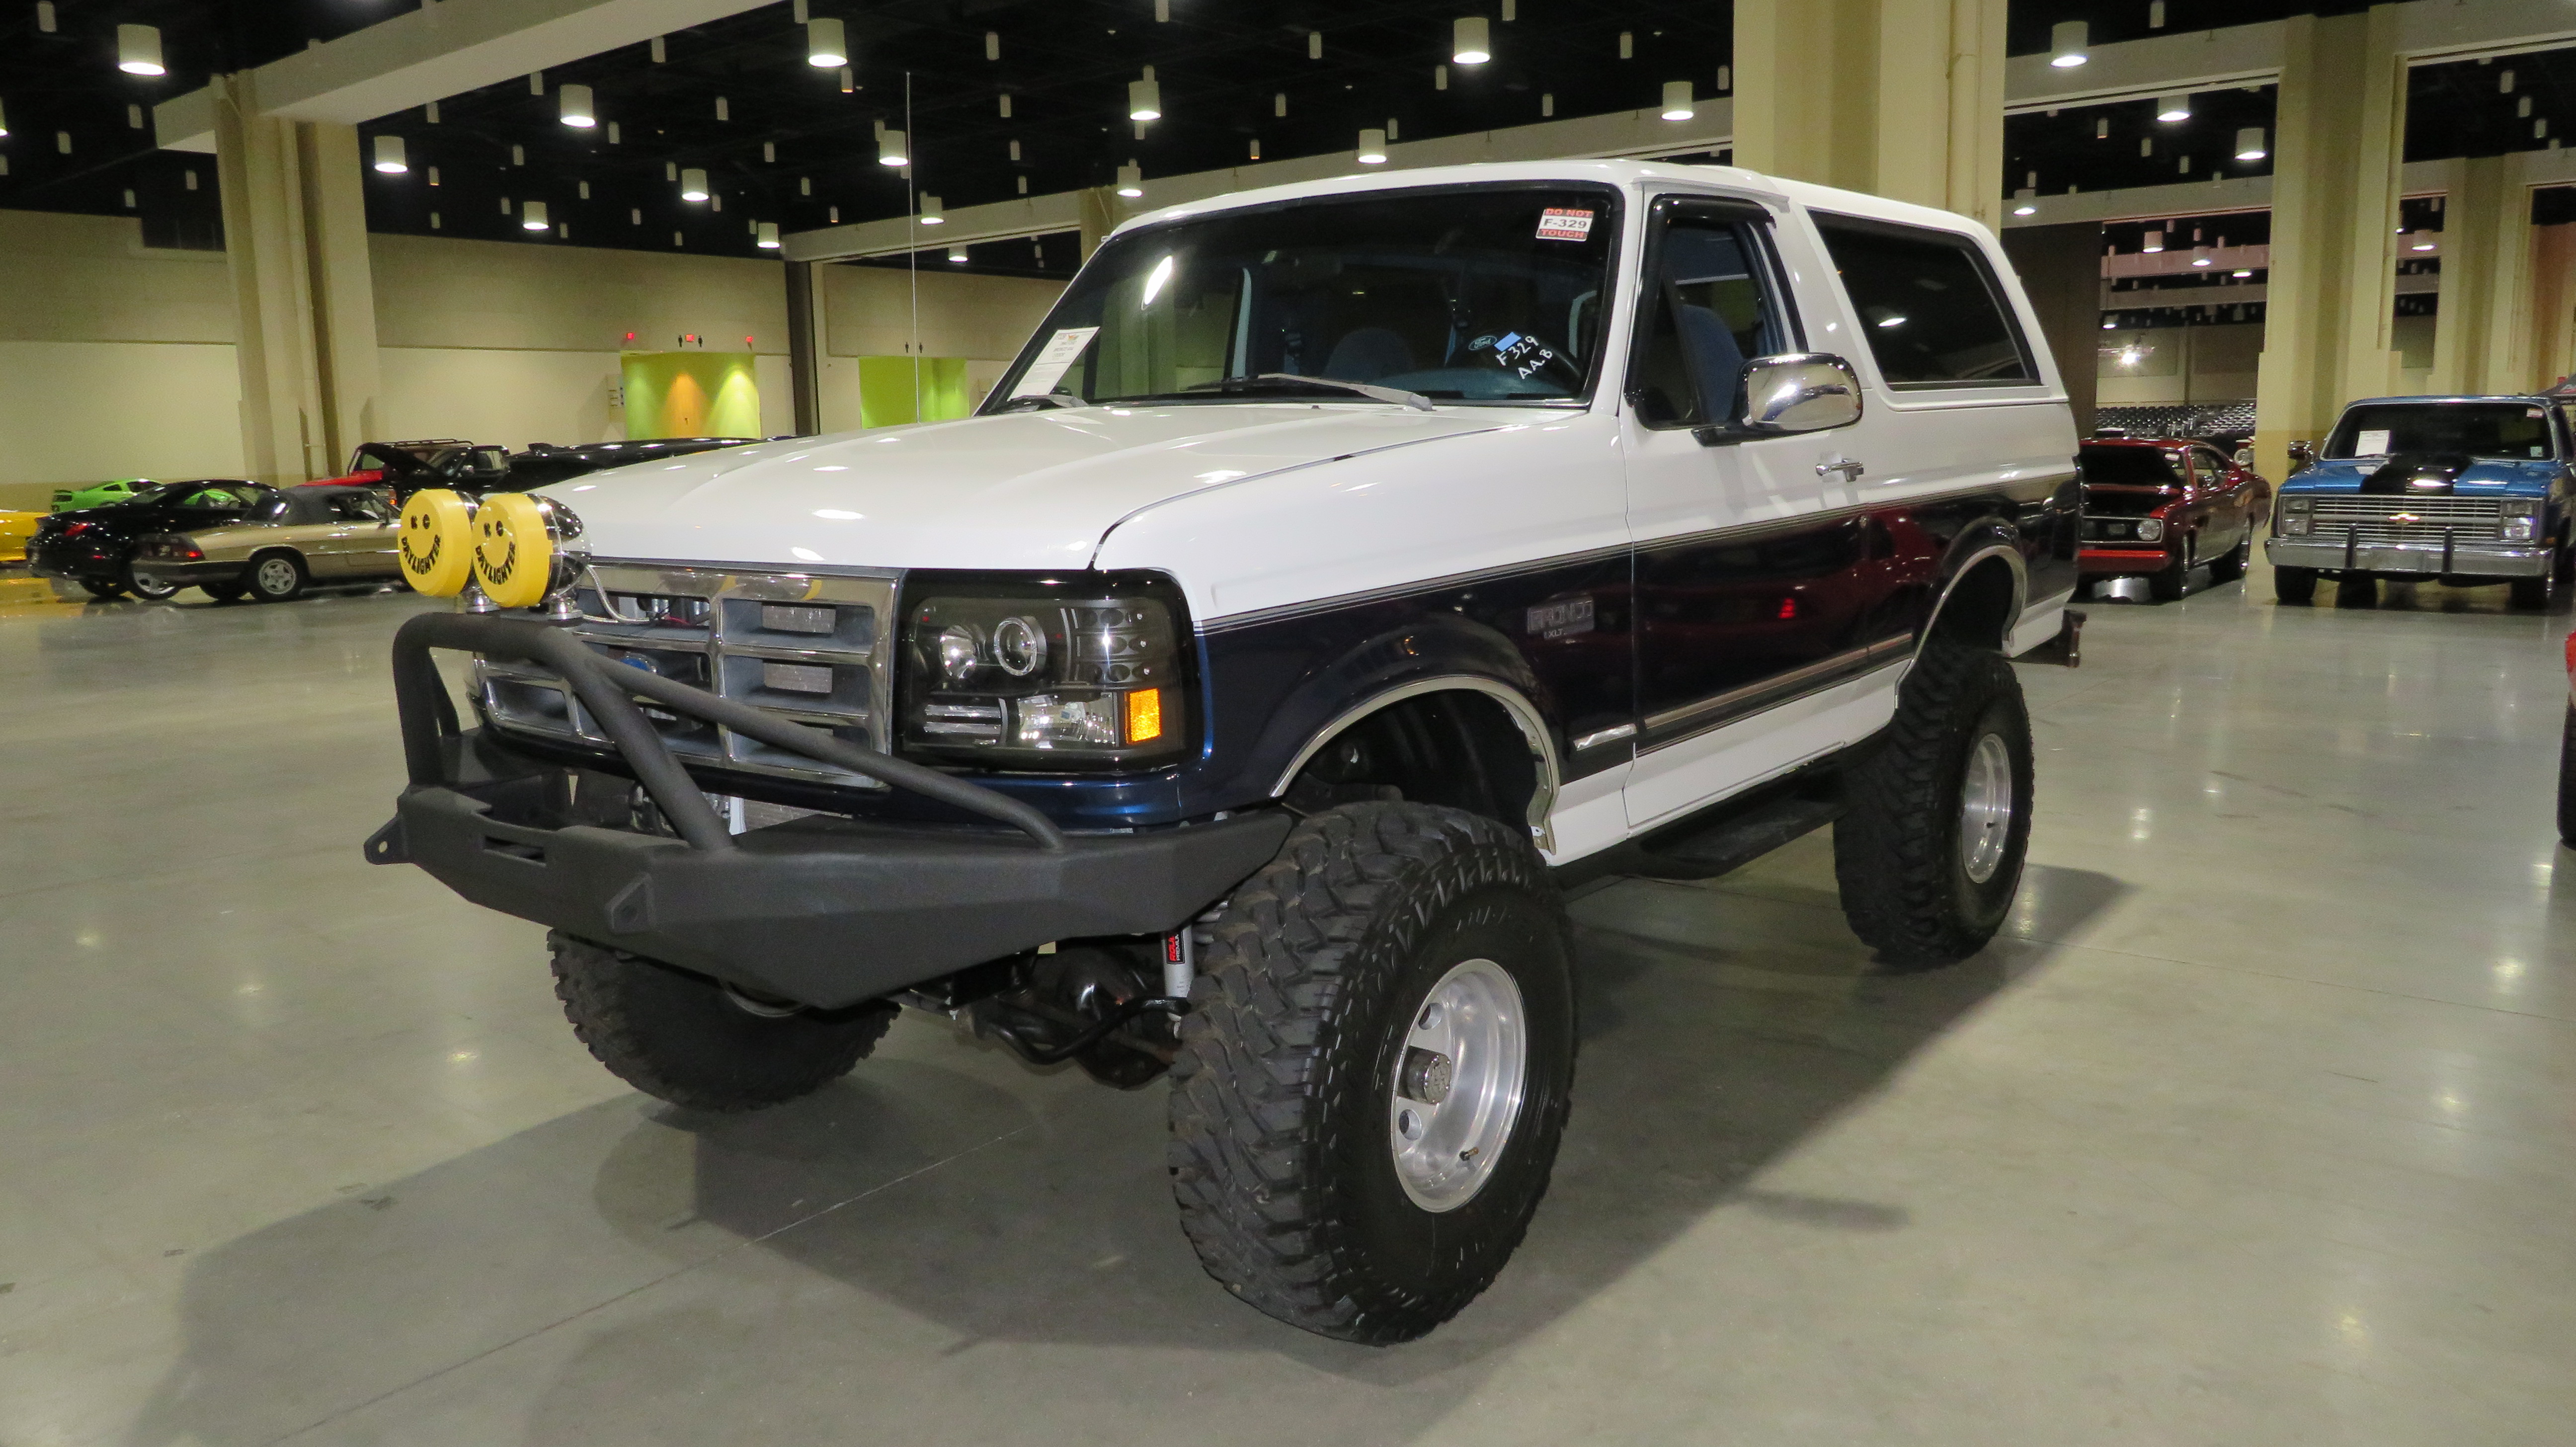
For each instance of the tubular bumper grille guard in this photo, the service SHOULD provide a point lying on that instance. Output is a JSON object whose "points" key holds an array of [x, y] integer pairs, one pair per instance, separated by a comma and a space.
{"points": [[609, 690]]}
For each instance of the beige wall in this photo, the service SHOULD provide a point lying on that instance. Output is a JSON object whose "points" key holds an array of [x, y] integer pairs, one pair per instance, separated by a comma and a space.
{"points": [[868, 311], [116, 360]]}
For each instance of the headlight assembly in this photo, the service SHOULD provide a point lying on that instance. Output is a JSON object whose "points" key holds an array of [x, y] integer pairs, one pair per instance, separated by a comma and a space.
{"points": [[2521, 519], [1063, 677], [2297, 516], [2150, 529]]}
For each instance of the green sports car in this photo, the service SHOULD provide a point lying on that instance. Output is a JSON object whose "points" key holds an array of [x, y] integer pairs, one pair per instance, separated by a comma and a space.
{"points": [[67, 499]]}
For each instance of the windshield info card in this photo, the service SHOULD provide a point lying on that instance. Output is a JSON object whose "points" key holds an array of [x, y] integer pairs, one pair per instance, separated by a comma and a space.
{"points": [[1053, 358]]}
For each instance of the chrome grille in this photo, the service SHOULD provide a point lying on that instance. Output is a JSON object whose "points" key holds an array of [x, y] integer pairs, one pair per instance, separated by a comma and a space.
{"points": [[2407, 519], [808, 647]]}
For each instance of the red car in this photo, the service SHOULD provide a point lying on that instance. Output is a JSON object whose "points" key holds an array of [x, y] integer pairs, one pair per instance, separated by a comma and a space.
{"points": [[2567, 757], [405, 467], [2159, 506]]}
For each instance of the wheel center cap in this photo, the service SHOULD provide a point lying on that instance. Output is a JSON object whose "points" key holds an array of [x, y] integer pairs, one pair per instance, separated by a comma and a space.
{"points": [[1427, 1075]]}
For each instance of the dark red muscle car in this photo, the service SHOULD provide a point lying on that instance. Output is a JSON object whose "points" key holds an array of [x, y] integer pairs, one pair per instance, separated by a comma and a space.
{"points": [[2158, 507]]}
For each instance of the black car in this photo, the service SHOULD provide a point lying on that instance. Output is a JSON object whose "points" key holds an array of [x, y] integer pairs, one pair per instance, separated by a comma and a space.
{"points": [[95, 546], [542, 464]]}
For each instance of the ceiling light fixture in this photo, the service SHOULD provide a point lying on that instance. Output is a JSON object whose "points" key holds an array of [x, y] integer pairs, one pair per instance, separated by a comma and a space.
{"points": [[1677, 100], [532, 215], [891, 150], [1131, 180], [2424, 241], [138, 50], [2244, 272], [2173, 108], [4, 121], [2249, 144], [573, 107], [932, 213], [2155, 242], [693, 184], [2026, 202], [2200, 256], [1145, 98], [389, 155], [2066, 44], [957, 254], [768, 236], [1471, 41], [1372, 147], [827, 45]]}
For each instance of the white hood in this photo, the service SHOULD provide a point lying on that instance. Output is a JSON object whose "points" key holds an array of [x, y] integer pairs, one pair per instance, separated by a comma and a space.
{"points": [[1024, 490]]}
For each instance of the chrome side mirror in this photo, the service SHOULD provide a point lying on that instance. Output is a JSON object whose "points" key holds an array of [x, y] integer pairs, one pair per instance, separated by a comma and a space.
{"points": [[2302, 455], [1798, 392]]}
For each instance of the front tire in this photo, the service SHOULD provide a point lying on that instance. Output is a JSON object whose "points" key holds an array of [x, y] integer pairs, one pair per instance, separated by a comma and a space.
{"points": [[1376, 1071], [277, 578], [2230, 565], [2168, 586], [103, 592], [147, 587], [692, 1041], [221, 592], [1928, 852], [2294, 585], [2357, 590], [2535, 594]]}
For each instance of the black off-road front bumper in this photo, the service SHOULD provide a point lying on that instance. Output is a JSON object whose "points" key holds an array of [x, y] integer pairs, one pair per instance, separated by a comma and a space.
{"points": [[823, 910]]}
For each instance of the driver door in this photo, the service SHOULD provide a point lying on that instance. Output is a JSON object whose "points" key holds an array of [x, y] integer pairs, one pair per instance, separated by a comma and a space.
{"points": [[1751, 559]]}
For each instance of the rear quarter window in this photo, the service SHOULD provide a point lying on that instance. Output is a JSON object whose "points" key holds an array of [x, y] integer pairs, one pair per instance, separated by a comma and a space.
{"points": [[1929, 305]]}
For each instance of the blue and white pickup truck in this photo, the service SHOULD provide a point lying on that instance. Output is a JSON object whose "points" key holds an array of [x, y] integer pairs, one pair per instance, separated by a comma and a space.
{"points": [[2464, 490]]}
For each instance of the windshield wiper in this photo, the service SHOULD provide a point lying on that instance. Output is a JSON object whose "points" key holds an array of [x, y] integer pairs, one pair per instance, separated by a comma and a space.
{"points": [[1053, 399], [1277, 381]]}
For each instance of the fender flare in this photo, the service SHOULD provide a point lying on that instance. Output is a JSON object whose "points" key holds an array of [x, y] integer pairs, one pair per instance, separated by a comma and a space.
{"points": [[1428, 656], [1990, 537]]}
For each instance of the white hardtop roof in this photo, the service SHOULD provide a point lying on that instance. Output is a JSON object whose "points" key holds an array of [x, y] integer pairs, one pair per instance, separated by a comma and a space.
{"points": [[1627, 175]]}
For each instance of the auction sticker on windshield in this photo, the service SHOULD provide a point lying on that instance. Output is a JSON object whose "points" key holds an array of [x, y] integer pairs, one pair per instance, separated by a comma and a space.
{"points": [[2373, 442], [1052, 360], [1560, 224]]}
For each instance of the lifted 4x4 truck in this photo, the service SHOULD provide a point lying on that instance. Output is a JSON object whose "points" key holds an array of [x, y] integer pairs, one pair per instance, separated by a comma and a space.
{"points": [[1342, 572]]}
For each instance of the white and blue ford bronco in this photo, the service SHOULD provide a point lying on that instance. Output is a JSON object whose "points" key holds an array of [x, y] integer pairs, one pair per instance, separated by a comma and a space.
{"points": [[2463, 490], [1340, 573]]}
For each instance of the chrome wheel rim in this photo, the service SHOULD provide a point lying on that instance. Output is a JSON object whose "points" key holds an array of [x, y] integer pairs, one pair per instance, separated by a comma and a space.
{"points": [[276, 576], [1985, 808], [1456, 1091]]}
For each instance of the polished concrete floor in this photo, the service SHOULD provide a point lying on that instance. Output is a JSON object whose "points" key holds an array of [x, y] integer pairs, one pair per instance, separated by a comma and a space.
{"points": [[2260, 1126]]}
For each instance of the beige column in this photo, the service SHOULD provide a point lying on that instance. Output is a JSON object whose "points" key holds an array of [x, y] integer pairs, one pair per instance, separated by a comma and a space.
{"points": [[295, 230], [2482, 337], [1102, 211], [1900, 98], [2553, 304], [2337, 149]]}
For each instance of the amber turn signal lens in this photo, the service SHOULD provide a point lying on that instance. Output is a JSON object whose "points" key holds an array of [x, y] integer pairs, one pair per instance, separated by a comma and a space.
{"points": [[1144, 715]]}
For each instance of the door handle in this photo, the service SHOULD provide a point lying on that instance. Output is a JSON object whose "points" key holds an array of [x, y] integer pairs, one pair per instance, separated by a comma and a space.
{"points": [[1850, 470]]}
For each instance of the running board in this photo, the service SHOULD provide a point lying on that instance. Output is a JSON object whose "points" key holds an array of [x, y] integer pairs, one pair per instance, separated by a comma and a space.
{"points": [[1733, 842]]}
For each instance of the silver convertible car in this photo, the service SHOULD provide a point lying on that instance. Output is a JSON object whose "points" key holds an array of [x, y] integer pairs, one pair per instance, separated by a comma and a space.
{"points": [[288, 540]]}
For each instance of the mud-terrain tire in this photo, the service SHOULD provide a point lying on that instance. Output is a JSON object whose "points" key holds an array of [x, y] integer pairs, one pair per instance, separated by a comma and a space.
{"points": [[1926, 861], [690, 1041], [1288, 1108], [2294, 585]]}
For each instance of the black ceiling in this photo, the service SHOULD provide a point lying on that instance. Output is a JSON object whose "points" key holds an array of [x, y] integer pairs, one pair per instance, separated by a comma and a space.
{"points": [[1065, 65]]}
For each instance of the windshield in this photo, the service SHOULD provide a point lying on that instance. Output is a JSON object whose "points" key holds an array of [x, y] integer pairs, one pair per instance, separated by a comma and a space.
{"points": [[1489, 295], [2480, 429]]}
